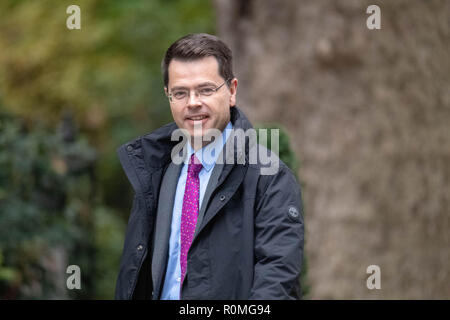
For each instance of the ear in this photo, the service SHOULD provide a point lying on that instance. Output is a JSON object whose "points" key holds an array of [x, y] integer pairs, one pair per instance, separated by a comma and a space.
{"points": [[233, 91]]}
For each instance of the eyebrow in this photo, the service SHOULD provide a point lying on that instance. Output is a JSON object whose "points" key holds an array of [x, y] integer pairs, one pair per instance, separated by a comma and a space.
{"points": [[203, 84]]}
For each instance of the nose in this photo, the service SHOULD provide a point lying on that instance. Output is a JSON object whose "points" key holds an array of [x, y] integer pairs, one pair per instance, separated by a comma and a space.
{"points": [[194, 99]]}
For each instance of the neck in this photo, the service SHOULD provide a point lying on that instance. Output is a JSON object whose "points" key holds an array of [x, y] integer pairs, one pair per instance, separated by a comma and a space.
{"points": [[200, 142]]}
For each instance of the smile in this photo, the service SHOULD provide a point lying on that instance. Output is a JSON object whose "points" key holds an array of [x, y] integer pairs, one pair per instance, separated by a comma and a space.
{"points": [[198, 118]]}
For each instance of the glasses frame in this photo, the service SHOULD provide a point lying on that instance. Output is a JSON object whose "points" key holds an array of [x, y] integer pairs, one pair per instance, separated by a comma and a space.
{"points": [[189, 94]]}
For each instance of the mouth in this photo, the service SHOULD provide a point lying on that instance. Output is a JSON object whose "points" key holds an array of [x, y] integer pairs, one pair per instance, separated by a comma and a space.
{"points": [[197, 118]]}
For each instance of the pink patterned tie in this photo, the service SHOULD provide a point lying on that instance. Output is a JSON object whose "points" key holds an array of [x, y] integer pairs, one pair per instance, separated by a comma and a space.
{"points": [[189, 212]]}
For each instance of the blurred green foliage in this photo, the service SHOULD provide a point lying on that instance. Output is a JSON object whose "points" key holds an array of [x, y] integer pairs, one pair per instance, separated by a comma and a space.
{"points": [[107, 73], [48, 208]]}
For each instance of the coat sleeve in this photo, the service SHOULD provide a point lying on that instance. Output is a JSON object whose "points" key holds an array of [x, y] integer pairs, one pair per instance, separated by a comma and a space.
{"points": [[279, 238]]}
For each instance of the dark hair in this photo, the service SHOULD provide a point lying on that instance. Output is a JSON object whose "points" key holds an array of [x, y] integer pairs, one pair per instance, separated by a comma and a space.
{"points": [[196, 46]]}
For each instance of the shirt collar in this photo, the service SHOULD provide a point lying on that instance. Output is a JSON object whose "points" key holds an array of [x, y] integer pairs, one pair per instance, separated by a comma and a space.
{"points": [[208, 154]]}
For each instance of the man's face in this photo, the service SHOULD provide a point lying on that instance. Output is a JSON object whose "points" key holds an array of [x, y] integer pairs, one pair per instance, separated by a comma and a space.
{"points": [[207, 112]]}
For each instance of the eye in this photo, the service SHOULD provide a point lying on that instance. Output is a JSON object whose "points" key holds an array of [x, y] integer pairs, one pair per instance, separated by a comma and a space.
{"points": [[179, 94], [206, 91]]}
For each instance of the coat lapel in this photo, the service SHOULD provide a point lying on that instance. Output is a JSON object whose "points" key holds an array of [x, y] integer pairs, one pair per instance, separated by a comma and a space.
{"points": [[209, 189], [163, 224]]}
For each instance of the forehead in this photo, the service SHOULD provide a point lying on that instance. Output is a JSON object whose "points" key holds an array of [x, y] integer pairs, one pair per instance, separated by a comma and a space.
{"points": [[187, 73]]}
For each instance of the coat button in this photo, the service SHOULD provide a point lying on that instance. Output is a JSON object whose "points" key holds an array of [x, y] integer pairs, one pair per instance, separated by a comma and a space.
{"points": [[140, 247], [222, 197], [130, 148]]}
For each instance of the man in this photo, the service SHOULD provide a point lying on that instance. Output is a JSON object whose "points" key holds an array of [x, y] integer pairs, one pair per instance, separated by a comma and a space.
{"points": [[212, 226]]}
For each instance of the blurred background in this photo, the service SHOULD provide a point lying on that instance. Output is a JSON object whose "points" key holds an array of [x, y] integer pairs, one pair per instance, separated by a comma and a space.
{"points": [[364, 116]]}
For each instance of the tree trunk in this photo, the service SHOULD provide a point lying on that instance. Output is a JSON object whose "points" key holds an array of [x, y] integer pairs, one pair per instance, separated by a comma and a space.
{"points": [[368, 112]]}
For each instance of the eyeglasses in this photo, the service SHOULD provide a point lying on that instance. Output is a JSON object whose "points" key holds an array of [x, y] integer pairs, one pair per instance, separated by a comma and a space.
{"points": [[182, 95]]}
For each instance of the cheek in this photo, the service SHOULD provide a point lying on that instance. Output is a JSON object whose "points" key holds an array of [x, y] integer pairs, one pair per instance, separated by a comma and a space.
{"points": [[221, 108], [175, 112]]}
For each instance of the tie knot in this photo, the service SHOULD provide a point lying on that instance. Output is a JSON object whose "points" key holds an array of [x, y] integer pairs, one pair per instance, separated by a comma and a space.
{"points": [[195, 166]]}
